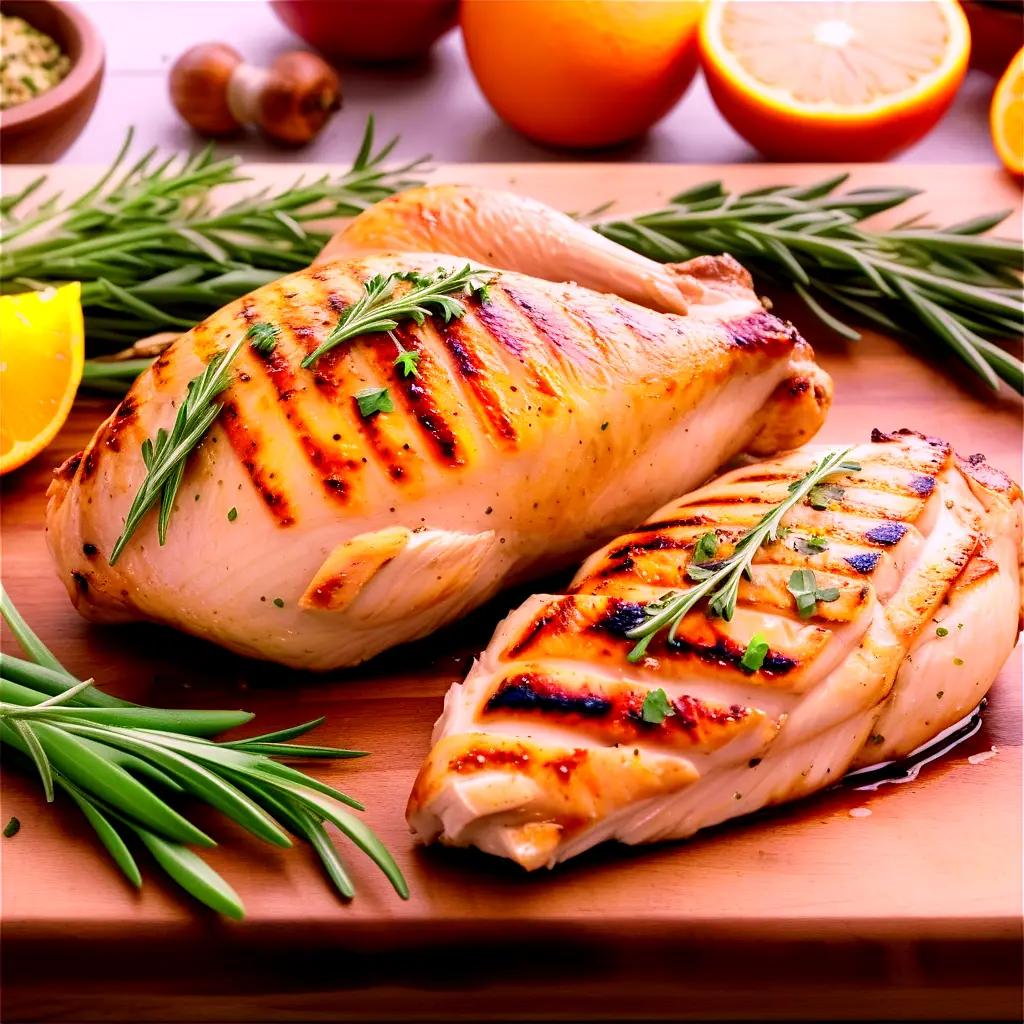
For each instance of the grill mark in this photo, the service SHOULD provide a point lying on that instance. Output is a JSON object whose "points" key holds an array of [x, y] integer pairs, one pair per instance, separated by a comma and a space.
{"points": [[247, 447], [479, 758], [671, 524], [332, 471], [615, 717], [626, 615], [68, 468], [429, 415], [544, 316], [493, 318], [647, 326], [656, 543], [473, 372], [554, 619]]}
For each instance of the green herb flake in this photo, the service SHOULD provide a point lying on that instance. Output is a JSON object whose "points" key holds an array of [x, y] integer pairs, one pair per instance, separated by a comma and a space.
{"points": [[942, 631], [754, 655], [804, 588], [813, 544], [279, 602], [372, 401], [262, 337], [12, 828], [407, 363], [823, 496], [958, 661], [706, 547], [232, 514], [657, 707]]}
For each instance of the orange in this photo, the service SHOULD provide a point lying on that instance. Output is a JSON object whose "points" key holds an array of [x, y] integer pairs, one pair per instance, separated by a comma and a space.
{"points": [[833, 80], [42, 349], [582, 73], [1006, 116]]}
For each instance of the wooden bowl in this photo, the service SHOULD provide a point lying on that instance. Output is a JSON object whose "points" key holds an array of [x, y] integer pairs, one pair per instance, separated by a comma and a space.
{"points": [[40, 129]]}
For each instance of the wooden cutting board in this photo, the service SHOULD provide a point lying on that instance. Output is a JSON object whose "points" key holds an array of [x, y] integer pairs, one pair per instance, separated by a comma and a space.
{"points": [[801, 912]]}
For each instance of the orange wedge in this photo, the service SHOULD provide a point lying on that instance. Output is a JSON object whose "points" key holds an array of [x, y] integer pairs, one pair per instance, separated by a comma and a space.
{"points": [[1006, 116], [831, 80], [42, 349]]}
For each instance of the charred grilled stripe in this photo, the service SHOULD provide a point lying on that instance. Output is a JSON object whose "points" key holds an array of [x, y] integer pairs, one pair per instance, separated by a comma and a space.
{"points": [[472, 370], [505, 330], [530, 691], [549, 321], [481, 758], [554, 618], [333, 472], [248, 445], [419, 396]]}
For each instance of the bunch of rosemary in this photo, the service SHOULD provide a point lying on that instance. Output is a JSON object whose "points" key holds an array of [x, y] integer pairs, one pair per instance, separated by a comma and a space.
{"points": [[119, 761], [154, 253], [948, 284]]}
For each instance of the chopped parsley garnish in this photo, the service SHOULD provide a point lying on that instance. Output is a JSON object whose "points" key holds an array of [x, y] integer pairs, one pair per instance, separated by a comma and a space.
{"points": [[657, 707], [706, 547], [804, 587], [372, 401], [11, 828], [407, 363], [754, 655], [958, 661], [279, 601], [813, 544], [942, 631], [822, 496], [232, 514]]}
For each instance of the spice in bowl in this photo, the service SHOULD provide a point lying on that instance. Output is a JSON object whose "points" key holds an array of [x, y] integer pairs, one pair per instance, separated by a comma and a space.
{"points": [[31, 63]]}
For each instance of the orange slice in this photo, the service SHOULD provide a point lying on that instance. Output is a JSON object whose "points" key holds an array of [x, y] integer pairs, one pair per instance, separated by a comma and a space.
{"points": [[42, 349], [1006, 116], [833, 80]]}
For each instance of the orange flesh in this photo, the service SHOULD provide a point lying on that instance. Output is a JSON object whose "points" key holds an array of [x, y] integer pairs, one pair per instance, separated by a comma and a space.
{"points": [[835, 53]]}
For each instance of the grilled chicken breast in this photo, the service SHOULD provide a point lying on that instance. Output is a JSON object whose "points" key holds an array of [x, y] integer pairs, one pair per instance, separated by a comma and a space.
{"points": [[513, 232], [546, 420], [543, 751]]}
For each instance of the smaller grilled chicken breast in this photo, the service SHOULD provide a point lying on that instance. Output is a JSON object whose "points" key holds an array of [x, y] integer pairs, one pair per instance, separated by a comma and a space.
{"points": [[512, 232], [544, 751]]}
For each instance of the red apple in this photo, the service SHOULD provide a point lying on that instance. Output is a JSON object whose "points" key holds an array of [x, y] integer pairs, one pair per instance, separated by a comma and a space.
{"points": [[369, 30]]}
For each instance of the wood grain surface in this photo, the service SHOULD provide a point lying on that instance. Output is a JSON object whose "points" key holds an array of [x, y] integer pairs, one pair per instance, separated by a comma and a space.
{"points": [[800, 912]]}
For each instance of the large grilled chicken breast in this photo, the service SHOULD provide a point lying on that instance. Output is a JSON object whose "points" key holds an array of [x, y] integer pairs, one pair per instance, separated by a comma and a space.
{"points": [[545, 421], [543, 751]]}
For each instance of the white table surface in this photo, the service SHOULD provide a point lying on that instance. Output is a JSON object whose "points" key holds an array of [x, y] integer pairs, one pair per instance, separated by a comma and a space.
{"points": [[434, 105]]}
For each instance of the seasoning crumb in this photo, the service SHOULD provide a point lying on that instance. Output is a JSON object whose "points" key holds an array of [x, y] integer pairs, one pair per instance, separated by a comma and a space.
{"points": [[12, 828], [859, 812], [982, 756], [279, 601], [958, 661]]}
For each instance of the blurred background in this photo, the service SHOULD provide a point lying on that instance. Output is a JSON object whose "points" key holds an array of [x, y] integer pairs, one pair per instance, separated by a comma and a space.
{"points": [[433, 100]]}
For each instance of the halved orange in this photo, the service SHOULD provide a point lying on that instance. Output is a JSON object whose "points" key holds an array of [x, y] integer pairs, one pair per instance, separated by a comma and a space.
{"points": [[832, 80], [42, 348], [1006, 116]]}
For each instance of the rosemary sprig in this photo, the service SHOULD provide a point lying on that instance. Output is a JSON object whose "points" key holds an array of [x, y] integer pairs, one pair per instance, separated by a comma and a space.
{"points": [[113, 377], [378, 309], [117, 761], [166, 455], [154, 253], [719, 581], [947, 284]]}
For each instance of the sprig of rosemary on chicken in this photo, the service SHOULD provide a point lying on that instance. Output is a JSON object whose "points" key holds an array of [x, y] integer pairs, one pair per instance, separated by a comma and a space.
{"points": [[719, 581], [377, 310]]}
